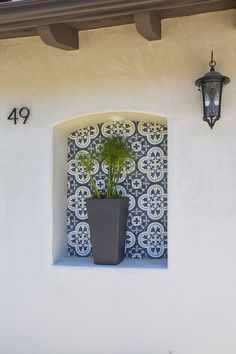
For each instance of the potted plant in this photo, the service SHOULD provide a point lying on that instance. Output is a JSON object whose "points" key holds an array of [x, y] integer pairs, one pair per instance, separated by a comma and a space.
{"points": [[107, 213]]}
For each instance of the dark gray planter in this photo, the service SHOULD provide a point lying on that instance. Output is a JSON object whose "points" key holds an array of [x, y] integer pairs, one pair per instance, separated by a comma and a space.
{"points": [[107, 220]]}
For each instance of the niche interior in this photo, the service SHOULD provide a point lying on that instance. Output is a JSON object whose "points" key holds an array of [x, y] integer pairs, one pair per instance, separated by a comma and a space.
{"points": [[144, 182]]}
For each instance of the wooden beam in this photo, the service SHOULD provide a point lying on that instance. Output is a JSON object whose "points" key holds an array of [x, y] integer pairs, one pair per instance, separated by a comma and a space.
{"points": [[59, 36], [148, 24]]}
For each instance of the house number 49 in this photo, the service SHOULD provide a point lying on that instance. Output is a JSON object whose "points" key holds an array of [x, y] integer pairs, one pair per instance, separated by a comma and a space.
{"points": [[17, 113]]}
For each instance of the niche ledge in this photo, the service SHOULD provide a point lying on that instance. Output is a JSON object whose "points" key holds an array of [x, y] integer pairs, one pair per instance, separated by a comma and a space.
{"points": [[87, 262]]}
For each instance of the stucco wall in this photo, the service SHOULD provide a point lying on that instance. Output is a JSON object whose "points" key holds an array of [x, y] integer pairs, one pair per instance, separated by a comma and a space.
{"points": [[188, 308]]}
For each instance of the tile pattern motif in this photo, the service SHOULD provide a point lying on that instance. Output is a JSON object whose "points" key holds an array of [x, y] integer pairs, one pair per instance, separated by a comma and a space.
{"points": [[144, 181]]}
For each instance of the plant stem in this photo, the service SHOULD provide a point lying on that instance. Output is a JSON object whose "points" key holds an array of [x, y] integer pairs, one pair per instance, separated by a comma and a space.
{"points": [[94, 185], [117, 180], [109, 182]]}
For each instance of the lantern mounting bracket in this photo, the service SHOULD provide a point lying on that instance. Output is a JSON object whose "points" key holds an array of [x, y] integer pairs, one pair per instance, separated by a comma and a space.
{"points": [[212, 62]]}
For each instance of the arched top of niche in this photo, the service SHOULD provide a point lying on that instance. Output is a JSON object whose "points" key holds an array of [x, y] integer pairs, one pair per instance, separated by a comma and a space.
{"points": [[85, 120]]}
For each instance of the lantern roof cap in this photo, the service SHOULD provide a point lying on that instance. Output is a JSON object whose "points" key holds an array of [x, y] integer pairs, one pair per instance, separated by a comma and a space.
{"points": [[212, 76]]}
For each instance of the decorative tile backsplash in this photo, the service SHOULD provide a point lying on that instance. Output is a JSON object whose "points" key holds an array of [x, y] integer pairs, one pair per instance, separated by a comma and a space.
{"points": [[144, 182]]}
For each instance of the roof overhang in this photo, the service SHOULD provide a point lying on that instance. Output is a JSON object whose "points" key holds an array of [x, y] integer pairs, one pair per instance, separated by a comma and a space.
{"points": [[58, 21]]}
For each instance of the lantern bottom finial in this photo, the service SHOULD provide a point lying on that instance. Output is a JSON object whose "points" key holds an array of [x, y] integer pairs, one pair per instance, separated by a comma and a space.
{"points": [[211, 120]]}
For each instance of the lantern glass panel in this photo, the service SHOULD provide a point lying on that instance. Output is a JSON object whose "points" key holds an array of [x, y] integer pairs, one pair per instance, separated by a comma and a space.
{"points": [[212, 98]]}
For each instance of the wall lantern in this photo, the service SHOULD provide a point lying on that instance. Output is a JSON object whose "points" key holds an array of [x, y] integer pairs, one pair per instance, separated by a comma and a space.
{"points": [[211, 85]]}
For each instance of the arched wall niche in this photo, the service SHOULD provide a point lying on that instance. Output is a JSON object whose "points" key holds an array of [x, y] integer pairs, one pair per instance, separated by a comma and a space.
{"points": [[59, 174]]}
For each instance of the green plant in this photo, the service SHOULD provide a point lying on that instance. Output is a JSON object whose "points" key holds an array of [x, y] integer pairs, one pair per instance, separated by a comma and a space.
{"points": [[114, 153]]}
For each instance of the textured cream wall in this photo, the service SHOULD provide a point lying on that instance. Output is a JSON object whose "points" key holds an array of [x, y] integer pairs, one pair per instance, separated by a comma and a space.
{"points": [[189, 308]]}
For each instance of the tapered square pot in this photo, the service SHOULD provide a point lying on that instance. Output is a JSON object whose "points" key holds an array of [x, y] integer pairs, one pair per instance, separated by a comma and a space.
{"points": [[107, 220]]}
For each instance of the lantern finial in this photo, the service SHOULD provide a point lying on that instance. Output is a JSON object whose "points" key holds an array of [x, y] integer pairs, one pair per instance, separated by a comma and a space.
{"points": [[212, 63]]}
